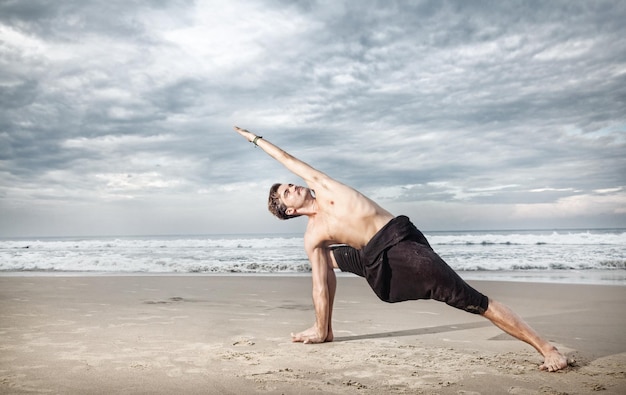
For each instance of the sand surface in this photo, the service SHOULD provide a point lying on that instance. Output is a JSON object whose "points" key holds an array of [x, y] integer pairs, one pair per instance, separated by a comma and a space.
{"points": [[230, 335]]}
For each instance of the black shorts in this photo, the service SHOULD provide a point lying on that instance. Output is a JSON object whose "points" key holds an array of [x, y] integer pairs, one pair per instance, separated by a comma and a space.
{"points": [[411, 270]]}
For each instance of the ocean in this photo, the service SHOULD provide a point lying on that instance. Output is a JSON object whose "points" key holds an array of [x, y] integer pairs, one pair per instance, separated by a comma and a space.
{"points": [[569, 256]]}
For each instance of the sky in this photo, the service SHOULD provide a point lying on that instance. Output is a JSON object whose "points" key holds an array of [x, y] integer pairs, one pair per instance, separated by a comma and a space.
{"points": [[116, 117]]}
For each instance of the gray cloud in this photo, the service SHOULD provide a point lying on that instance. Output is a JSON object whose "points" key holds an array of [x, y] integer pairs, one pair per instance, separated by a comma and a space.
{"points": [[126, 109]]}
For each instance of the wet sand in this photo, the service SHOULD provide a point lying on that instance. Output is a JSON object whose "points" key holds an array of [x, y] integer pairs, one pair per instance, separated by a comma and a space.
{"points": [[230, 335]]}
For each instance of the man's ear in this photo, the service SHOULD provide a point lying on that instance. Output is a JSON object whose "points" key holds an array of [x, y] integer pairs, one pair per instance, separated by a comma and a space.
{"points": [[290, 211]]}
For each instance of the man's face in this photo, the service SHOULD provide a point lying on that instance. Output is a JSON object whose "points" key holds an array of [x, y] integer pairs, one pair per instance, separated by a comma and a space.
{"points": [[291, 195]]}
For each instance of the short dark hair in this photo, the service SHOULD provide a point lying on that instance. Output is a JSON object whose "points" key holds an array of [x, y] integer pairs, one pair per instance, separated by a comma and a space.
{"points": [[276, 206]]}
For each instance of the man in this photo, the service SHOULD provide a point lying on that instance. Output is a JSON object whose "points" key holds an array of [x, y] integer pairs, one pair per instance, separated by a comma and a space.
{"points": [[388, 251]]}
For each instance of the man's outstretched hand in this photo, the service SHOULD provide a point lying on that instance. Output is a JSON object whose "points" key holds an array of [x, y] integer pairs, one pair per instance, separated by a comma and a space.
{"points": [[247, 135]]}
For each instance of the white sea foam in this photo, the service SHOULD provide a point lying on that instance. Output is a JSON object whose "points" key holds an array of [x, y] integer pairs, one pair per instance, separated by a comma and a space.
{"points": [[471, 251], [156, 255], [599, 237]]}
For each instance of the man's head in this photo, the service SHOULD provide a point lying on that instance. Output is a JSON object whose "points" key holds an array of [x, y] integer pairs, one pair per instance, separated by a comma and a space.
{"points": [[276, 205]]}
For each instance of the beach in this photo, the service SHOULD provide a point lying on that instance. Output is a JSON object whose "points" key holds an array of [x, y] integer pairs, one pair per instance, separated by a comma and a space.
{"points": [[229, 334]]}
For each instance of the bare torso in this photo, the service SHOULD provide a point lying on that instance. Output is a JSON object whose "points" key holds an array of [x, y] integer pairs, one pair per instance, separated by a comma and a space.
{"points": [[344, 216]]}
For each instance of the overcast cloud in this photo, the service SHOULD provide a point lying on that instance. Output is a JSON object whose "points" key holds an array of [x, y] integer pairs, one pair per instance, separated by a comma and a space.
{"points": [[116, 117]]}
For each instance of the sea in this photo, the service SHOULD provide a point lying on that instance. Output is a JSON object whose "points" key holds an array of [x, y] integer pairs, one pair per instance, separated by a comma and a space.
{"points": [[588, 256]]}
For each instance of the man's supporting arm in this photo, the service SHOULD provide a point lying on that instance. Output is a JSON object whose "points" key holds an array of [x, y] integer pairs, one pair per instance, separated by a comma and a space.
{"points": [[324, 286], [293, 164]]}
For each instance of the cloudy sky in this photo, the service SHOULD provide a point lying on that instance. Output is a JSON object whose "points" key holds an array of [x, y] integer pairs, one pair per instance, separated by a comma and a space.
{"points": [[116, 116]]}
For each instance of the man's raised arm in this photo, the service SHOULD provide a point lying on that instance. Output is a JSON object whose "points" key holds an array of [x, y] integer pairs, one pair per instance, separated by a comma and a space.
{"points": [[293, 164]]}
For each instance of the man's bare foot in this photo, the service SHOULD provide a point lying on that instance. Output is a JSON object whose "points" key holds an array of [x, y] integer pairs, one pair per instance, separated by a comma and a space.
{"points": [[311, 335], [554, 361]]}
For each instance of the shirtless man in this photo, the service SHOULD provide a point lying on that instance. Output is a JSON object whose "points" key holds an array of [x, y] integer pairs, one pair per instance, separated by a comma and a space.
{"points": [[338, 214]]}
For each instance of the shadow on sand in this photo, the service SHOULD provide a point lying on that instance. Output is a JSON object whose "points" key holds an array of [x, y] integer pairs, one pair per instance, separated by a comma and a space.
{"points": [[415, 332]]}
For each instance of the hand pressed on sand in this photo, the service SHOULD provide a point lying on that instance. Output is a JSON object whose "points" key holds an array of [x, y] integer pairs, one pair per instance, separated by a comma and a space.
{"points": [[554, 361]]}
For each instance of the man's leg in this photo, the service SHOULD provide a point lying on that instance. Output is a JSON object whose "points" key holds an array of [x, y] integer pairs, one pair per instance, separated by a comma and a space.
{"points": [[504, 318]]}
